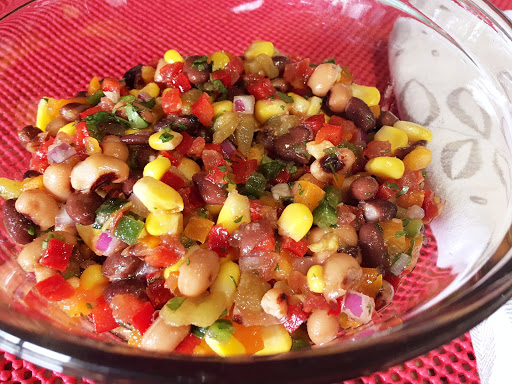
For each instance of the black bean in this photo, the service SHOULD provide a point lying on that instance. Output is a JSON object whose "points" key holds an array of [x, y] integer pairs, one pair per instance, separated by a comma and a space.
{"points": [[132, 179], [281, 84], [21, 229], [402, 152], [134, 287], [371, 243], [144, 155], [280, 62], [386, 118], [139, 138], [378, 210], [30, 173], [112, 128], [265, 139], [198, 74], [118, 267], [53, 126], [81, 207], [27, 134], [364, 188], [133, 77], [331, 164], [291, 146], [361, 114], [210, 192], [71, 112], [189, 123]]}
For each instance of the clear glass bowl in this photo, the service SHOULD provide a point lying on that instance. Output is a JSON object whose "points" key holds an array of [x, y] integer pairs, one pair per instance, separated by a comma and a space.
{"points": [[439, 63]]}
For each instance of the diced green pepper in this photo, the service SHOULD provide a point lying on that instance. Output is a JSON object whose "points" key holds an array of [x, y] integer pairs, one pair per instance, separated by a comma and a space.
{"points": [[332, 196], [95, 97], [128, 98], [128, 229], [271, 169], [413, 227], [325, 215], [135, 120], [221, 330], [107, 209], [198, 331], [255, 185]]}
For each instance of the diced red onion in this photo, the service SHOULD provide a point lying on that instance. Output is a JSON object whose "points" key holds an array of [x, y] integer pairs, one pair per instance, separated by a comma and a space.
{"points": [[57, 153], [253, 262], [358, 306], [108, 244], [113, 96], [144, 96], [400, 263], [228, 148], [415, 212], [63, 222], [103, 242], [244, 104]]}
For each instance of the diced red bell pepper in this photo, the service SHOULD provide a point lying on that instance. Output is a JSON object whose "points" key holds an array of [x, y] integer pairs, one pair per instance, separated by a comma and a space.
{"points": [[175, 160], [165, 254], [258, 86], [224, 76], [315, 122], [156, 290], [335, 309], [143, 318], [181, 82], [203, 109], [256, 209], [213, 147], [298, 73], [297, 248], [283, 177], [102, 318], [332, 133], [296, 316], [235, 65], [191, 198], [90, 111], [386, 191], [171, 101], [314, 301], [170, 71], [350, 130], [215, 166], [237, 156], [187, 346], [39, 161], [172, 180], [185, 144], [243, 170], [431, 209], [110, 84], [57, 254], [55, 288], [218, 240], [197, 147]]}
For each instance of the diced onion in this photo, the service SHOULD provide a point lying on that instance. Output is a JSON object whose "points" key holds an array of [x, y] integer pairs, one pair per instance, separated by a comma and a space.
{"points": [[63, 222], [358, 306], [244, 104], [415, 212], [109, 245], [228, 148], [400, 263], [113, 96], [57, 153]]}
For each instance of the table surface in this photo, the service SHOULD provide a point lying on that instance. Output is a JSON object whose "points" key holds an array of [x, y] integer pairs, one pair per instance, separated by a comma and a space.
{"points": [[451, 363]]}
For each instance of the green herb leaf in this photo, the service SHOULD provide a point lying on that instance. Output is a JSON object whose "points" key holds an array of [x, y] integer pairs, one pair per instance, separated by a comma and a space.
{"points": [[95, 97], [277, 267], [284, 97], [331, 60], [31, 230], [128, 98], [174, 303], [393, 186], [221, 330], [400, 234], [403, 191], [224, 313], [238, 219], [233, 280], [135, 120], [203, 215], [201, 64], [44, 245], [166, 137], [198, 331], [223, 168]]}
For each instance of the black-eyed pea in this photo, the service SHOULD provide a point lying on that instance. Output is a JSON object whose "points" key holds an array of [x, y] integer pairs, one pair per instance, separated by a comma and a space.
{"points": [[347, 236], [323, 78], [198, 272], [97, 170], [340, 271], [275, 303], [39, 206], [56, 180], [113, 146], [163, 337], [322, 327]]}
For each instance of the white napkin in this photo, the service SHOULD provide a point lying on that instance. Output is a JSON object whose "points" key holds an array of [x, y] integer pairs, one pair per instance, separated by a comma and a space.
{"points": [[437, 86]]}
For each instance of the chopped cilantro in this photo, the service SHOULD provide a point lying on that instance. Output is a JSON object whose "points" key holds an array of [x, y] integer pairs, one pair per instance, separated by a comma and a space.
{"points": [[176, 302], [198, 331], [203, 215], [223, 168], [400, 234], [393, 186], [331, 60], [285, 97], [224, 313], [201, 64], [403, 191], [277, 267], [31, 230], [283, 107], [238, 219], [234, 281], [188, 260], [166, 137]]}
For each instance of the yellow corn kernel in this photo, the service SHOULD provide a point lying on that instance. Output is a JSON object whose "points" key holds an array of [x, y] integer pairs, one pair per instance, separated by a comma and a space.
{"points": [[315, 278], [236, 210], [219, 60], [157, 167], [396, 137], [148, 73], [370, 95], [164, 223], [156, 195], [10, 189], [32, 183], [227, 281], [317, 150], [92, 146], [231, 186], [165, 141], [134, 92], [295, 221], [93, 280], [221, 107], [173, 268], [315, 106], [414, 131], [188, 168], [232, 348], [173, 56], [43, 116], [258, 48], [94, 86], [151, 89], [386, 167], [214, 209], [256, 152], [265, 109], [276, 339], [419, 158], [69, 129], [300, 105], [329, 242]]}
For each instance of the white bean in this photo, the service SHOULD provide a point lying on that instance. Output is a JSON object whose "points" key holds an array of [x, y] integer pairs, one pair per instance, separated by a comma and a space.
{"points": [[323, 78], [322, 327], [112, 146], [340, 95], [56, 180]]}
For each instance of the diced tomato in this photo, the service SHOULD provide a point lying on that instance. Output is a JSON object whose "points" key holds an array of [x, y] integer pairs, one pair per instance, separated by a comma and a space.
{"points": [[213, 147], [235, 65], [315, 122], [197, 147], [39, 161], [377, 149], [111, 85], [81, 133], [90, 111], [57, 254], [411, 179], [191, 198], [185, 144], [349, 128], [243, 170], [203, 109], [297, 248], [283, 177], [393, 280], [182, 82], [314, 301], [267, 243], [175, 160], [218, 240], [172, 180], [158, 294], [386, 191], [224, 76], [102, 318], [187, 346], [256, 208], [143, 318], [432, 210], [332, 133], [171, 101], [298, 73], [165, 254], [215, 166], [55, 288], [296, 316], [259, 86], [170, 71]]}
